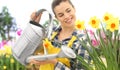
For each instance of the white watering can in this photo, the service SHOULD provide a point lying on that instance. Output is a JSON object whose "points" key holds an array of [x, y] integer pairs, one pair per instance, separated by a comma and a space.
{"points": [[31, 40]]}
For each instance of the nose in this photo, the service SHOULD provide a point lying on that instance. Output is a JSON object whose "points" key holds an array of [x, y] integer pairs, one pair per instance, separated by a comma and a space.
{"points": [[66, 15]]}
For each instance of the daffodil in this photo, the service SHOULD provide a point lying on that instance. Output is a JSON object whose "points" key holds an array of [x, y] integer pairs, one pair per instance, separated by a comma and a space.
{"points": [[2, 52], [94, 22], [47, 44], [53, 50], [50, 48], [113, 24], [4, 67], [7, 56], [80, 25], [8, 49], [12, 60], [107, 17]]}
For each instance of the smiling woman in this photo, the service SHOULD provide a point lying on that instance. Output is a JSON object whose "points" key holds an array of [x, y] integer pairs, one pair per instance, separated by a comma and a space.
{"points": [[83, 9]]}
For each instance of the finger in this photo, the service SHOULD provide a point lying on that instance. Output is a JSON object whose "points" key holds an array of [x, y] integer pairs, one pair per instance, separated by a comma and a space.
{"points": [[33, 16], [32, 61], [40, 53], [38, 18]]}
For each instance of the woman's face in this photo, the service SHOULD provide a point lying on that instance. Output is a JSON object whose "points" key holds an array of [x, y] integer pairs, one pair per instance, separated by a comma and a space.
{"points": [[65, 13]]}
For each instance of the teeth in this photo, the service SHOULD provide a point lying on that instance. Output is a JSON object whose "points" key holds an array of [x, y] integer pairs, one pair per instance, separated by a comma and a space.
{"points": [[68, 21]]}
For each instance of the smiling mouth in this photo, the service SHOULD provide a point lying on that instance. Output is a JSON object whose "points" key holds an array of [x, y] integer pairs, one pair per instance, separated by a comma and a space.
{"points": [[69, 20]]}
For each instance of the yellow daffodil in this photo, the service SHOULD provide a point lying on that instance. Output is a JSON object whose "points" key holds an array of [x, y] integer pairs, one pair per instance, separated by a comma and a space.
{"points": [[50, 48], [94, 22], [4, 67], [113, 24], [92, 62], [107, 17], [80, 25], [2, 52], [94, 67], [12, 60], [8, 49], [53, 50], [7, 56], [47, 44]]}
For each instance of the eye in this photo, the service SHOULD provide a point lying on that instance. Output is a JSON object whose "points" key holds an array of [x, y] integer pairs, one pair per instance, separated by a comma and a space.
{"points": [[68, 10], [60, 15]]}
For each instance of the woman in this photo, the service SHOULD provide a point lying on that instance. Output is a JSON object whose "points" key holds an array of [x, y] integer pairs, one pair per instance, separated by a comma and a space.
{"points": [[64, 12]]}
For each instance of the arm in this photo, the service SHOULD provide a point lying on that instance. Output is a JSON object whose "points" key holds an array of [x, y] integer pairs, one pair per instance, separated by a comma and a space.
{"points": [[58, 65], [36, 62]]}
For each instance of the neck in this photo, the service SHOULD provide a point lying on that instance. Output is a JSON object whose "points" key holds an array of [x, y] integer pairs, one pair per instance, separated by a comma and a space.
{"points": [[65, 33], [67, 30]]}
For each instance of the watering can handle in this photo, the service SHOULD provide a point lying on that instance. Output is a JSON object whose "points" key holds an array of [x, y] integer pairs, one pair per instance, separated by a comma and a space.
{"points": [[40, 11], [49, 29]]}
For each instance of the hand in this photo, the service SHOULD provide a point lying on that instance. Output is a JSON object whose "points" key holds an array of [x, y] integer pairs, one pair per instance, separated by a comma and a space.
{"points": [[35, 18], [36, 62]]}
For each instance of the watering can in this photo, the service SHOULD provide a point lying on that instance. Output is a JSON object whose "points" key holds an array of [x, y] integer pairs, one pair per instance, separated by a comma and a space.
{"points": [[31, 40]]}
